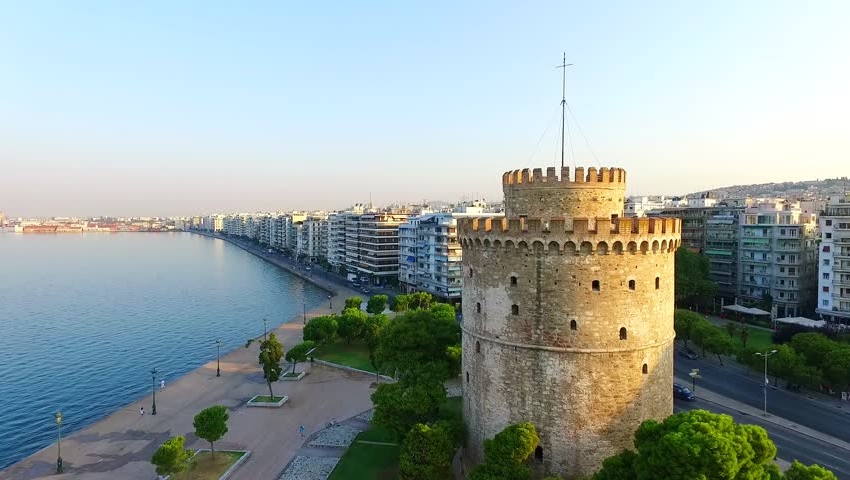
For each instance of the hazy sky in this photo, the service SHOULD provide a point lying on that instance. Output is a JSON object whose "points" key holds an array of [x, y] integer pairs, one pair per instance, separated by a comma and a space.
{"points": [[179, 107]]}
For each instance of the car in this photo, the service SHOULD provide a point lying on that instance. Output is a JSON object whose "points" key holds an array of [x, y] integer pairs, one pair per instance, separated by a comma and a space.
{"points": [[687, 353], [683, 392]]}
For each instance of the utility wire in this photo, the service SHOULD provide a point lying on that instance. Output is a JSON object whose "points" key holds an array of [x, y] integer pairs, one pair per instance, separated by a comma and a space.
{"points": [[581, 130]]}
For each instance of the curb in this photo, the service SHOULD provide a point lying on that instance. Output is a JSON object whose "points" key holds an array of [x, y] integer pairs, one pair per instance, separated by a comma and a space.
{"points": [[352, 369]]}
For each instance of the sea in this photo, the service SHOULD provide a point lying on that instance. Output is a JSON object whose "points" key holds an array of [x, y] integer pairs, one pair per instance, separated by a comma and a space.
{"points": [[85, 317]]}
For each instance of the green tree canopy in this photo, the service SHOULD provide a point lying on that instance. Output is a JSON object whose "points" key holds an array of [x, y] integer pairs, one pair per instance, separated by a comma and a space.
{"points": [[271, 352], [697, 444], [836, 367], [813, 346], [171, 457], [688, 324], [321, 330], [426, 453], [505, 455], [376, 304], [718, 343], [417, 340], [400, 303], [371, 334], [798, 471], [353, 302], [693, 284], [211, 424], [414, 399], [350, 324], [298, 353], [444, 311], [420, 301]]}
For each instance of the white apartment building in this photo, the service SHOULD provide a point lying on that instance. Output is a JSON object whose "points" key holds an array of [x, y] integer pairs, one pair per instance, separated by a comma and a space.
{"points": [[336, 234], [430, 254], [638, 206], [213, 223], [312, 237], [371, 245], [777, 256], [834, 262]]}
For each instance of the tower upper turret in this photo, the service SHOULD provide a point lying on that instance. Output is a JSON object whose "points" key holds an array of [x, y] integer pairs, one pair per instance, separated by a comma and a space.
{"points": [[597, 193]]}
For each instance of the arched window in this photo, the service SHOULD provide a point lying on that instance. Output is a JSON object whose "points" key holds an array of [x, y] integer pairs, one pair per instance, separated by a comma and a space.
{"points": [[478, 348], [573, 325], [657, 283], [645, 369], [595, 285], [631, 284], [477, 307], [514, 309], [538, 454], [623, 333], [513, 280]]}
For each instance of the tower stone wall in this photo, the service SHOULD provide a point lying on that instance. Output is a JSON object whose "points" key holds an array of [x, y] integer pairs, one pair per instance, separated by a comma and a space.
{"points": [[567, 318]]}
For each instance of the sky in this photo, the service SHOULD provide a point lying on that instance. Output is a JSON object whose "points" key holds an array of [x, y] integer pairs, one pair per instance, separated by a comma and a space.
{"points": [[187, 107]]}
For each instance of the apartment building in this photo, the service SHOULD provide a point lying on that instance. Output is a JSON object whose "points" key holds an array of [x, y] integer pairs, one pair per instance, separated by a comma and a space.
{"points": [[337, 234], [430, 254], [777, 256], [693, 224], [640, 206], [834, 262], [371, 245], [312, 237], [722, 226]]}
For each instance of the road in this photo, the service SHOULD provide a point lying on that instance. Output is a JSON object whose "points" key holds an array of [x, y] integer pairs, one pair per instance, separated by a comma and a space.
{"points": [[790, 444], [747, 389]]}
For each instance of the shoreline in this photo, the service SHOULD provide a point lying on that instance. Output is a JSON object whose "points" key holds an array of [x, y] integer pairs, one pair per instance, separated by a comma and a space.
{"points": [[14, 470], [326, 286]]}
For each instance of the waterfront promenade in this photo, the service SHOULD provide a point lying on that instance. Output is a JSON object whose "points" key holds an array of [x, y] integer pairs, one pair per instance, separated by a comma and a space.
{"points": [[121, 445]]}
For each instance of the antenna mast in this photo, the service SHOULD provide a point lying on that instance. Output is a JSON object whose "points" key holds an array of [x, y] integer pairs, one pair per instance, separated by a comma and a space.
{"points": [[564, 66]]}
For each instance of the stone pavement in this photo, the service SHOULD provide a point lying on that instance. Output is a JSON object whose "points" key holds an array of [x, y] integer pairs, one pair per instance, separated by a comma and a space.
{"points": [[755, 412], [121, 445]]}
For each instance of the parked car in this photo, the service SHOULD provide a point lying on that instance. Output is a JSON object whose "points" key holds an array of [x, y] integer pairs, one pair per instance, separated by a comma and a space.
{"points": [[687, 353], [683, 392]]}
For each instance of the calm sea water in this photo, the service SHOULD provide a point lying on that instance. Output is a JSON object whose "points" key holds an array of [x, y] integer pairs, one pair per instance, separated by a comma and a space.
{"points": [[83, 319]]}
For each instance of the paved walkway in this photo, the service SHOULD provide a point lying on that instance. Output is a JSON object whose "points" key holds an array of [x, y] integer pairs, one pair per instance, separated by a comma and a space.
{"points": [[121, 445]]}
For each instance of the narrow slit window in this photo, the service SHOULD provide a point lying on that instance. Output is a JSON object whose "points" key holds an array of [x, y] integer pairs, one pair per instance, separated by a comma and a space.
{"points": [[657, 283], [478, 347], [573, 325], [645, 369], [631, 284], [514, 309], [478, 307], [595, 285], [513, 280], [623, 333]]}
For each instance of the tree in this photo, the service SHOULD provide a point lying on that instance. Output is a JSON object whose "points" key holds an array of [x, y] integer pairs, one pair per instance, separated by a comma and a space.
{"points": [[505, 455], [798, 471], [719, 344], [444, 311], [353, 302], [744, 332], [371, 334], [420, 301], [814, 347], [271, 351], [321, 330], [453, 354], [376, 304], [618, 467], [426, 453], [686, 323], [171, 456], [298, 353], [784, 363], [836, 367], [693, 283], [696, 444], [414, 399], [416, 340], [351, 323], [731, 329], [211, 424], [400, 303]]}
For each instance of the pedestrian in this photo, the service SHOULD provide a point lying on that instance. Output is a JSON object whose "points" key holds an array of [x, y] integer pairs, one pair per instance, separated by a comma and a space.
{"points": [[302, 430], [162, 385], [141, 410]]}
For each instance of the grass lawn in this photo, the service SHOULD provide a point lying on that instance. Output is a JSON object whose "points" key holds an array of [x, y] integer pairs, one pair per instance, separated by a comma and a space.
{"points": [[758, 339], [363, 461], [354, 355], [266, 398], [205, 466]]}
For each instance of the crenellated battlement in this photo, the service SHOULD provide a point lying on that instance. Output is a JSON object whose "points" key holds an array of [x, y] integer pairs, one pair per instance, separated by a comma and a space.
{"points": [[594, 226], [604, 176]]}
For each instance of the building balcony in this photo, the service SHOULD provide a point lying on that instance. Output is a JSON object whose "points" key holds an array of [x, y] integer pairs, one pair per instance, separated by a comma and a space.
{"points": [[756, 260]]}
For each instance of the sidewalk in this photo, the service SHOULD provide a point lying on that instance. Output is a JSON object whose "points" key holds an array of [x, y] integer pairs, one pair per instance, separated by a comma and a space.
{"points": [[712, 397], [121, 445]]}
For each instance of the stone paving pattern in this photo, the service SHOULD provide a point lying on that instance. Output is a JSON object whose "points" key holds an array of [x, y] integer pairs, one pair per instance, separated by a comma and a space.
{"points": [[310, 468], [336, 436]]}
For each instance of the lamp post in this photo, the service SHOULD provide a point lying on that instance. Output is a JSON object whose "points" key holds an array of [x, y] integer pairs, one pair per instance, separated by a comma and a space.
{"points": [[59, 443], [265, 328], [218, 358], [305, 311], [765, 355], [153, 389], [330, 302]]}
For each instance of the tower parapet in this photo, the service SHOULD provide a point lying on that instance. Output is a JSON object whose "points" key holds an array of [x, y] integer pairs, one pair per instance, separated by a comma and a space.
{"points": [[594, 192]]}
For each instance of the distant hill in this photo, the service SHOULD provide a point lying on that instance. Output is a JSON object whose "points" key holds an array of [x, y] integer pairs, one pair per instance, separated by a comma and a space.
{"points": [[807, 189]]}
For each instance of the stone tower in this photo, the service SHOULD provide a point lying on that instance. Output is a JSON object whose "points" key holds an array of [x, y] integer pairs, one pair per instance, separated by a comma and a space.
{"points": [[567, 318]]}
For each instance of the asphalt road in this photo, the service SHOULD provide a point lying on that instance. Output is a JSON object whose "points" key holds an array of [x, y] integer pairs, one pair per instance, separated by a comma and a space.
{"points": [[795, 407], [791, 445]]}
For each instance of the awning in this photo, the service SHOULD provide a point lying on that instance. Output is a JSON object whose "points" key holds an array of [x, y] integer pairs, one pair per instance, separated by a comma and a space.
{"points": [[747, 310], [806, 322]]}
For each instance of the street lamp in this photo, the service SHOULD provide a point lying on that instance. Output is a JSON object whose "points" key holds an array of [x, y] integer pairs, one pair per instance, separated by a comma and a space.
{"points": [[765, 355], [153, 389], [330, 303], [59, 443], [265, 328], [218, 358], [305, 311]]}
